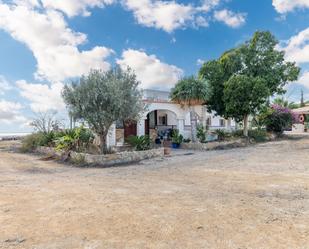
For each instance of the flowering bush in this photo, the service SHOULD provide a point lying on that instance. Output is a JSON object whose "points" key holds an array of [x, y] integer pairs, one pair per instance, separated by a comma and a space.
{"points": [[278, 118]]}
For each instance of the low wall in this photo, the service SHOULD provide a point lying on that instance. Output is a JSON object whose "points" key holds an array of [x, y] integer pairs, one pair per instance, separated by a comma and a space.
{"points": [[105, 160], [215, 145]]}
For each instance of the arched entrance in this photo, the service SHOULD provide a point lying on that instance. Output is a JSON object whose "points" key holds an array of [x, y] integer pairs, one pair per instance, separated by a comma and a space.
{"points": [[160, 123]]}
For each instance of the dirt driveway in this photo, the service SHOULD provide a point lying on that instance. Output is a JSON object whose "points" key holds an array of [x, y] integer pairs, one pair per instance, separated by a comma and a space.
{"points": [[256, 197]]}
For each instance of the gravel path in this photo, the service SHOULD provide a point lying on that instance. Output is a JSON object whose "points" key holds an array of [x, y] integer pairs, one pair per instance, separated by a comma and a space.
{"points": [[254, 197]]}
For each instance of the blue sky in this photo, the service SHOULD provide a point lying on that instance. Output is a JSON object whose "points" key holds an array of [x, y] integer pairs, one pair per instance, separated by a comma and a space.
{"points": [[46, 43]]}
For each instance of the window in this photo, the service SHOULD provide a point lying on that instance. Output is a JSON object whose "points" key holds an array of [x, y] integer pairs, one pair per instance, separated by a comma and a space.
{"points": [[163, 120], [222, 122], [119, 124]]}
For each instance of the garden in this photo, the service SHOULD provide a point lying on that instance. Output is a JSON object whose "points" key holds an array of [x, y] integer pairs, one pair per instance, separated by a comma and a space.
{"points": [[237, 86]]}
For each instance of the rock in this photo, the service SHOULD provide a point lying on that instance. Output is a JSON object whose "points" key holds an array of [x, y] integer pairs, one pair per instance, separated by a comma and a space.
{"points": [[15, 241]]}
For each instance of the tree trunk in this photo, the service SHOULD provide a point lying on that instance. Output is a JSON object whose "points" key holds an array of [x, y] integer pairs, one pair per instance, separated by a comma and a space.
{"points": [[193, 124], [246, 118], [103, 145]]}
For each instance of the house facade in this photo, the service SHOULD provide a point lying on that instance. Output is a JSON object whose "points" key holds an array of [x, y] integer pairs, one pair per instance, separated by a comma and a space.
{"points": [[161, 116]]}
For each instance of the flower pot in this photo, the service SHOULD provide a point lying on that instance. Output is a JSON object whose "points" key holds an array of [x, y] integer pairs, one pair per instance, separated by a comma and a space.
{"points": [[167, 151], [175, 146]]}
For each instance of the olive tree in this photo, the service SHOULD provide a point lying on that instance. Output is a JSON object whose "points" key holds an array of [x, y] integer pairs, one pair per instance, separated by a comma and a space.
{"points": [[101, 98]]}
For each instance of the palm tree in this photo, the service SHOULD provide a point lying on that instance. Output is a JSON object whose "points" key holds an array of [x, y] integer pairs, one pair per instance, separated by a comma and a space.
{"points": [[190, 91], [285, 103]]}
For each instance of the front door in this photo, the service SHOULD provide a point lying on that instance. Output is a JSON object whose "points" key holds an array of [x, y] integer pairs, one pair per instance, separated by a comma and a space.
{"points": [[130, 129]]}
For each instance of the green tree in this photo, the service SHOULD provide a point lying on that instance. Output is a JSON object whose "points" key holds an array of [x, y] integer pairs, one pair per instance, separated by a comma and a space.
{"points": [[216, 73], [190, 91], [260, 62], [101, 98], [244, 96]]}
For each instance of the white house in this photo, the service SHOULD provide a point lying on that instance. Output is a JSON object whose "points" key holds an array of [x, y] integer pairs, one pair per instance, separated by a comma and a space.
{"points": [[161, 116]]}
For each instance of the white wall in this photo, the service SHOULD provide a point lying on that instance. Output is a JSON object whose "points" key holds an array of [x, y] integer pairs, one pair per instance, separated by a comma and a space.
{"points": [[171, 117]]}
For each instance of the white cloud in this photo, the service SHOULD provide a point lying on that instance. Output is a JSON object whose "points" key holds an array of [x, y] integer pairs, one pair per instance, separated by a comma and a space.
{"points": [[207, 5], [75, 7], [4, 85], [52, 42], [304, 79], [284, 6], [166, 15], [171, 15], [10, 112], [297, 47], [42, 97], [200, 62], [201, 21], [27, 3], [152, 73], [230, 18]]}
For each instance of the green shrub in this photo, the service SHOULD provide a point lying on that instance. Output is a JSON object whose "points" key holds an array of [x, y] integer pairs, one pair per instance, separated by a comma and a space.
{"points": [[258, 135], [71, 139], [31, 142], [201, 133], [222, 134], [66, 142], [176, 137], [77, 139], [237, 133], [47, 139], [139, 143], [278, 122], [277, 118]]}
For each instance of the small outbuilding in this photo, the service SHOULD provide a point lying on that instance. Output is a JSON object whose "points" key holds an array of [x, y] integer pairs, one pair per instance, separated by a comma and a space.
{"points": [[302, 114]]}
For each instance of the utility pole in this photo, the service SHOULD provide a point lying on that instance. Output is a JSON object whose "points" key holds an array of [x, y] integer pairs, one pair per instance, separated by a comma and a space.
{"points": [[302, 103]]}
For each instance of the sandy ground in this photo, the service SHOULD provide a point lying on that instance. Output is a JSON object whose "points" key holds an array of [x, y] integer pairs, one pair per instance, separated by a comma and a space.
{"points": [[255, 197]]}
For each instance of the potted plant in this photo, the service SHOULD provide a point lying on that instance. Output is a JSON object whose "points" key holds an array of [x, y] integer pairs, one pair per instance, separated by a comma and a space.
{"points": [[176, 139]]}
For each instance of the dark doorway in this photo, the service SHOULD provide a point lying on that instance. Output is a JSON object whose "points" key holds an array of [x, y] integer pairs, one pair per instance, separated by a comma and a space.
{"points": [[147, 132], [130, 129]]}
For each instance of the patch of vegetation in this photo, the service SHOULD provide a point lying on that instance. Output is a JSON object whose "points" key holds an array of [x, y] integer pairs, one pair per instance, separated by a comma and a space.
{"points": [[139, 143], [222, 134], [201, 133], [237, 134], [78, 139], [277, 118], [176, 137], [31, 142], [258, 135]]}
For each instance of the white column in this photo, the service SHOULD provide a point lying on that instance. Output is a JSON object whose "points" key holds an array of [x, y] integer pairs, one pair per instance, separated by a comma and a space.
{"points": [[141, 127], [229, 124], [181, 126], [111, 137], [204, 115]]}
